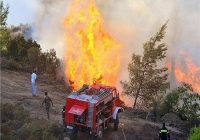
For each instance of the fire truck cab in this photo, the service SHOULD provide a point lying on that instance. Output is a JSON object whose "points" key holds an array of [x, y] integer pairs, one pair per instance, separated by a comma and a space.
{"points": [[90, 109]]}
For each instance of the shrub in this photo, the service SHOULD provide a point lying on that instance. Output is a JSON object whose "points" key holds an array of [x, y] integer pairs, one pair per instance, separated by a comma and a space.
{"points": [[194, 133], [29, 130], [183, 102], [12, 64], [16, 124]]}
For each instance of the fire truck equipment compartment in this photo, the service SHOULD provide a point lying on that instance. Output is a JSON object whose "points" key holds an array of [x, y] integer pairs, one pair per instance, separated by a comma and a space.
{"points": [[77, 109]]}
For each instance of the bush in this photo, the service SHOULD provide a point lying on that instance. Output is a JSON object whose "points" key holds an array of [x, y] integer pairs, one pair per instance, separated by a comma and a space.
{"points": [[47, 130], [183, 102], [12, 64], [16, 124], [30, 130], [194, 133]]}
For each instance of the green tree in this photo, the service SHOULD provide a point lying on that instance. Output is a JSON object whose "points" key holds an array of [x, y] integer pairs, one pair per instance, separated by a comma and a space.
{"points": [[33, 56], [190, 106], [42, 64], [183, 102], [52, 61], [4, 33], [145, 78], [18, 48], [4, 41], [3, 14]]}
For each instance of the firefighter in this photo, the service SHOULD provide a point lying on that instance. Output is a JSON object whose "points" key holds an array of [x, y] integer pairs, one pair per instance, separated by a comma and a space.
{"points": [[47, 101], [164, 133]]}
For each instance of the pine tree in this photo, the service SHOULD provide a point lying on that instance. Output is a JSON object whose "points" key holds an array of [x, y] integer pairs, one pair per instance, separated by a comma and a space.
{"points": [[145, 77], [3, 14], [4, 33]]}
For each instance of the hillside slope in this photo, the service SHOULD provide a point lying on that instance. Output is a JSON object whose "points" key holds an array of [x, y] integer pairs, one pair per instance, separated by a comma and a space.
{"points": [[16, 87]]}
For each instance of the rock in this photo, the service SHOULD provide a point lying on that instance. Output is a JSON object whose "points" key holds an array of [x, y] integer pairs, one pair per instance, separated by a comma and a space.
{"points": [[195, 122], [172, 120]]}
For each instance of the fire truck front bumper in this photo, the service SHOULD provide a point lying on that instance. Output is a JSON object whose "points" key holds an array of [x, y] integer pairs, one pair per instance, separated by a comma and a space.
{"points": [[70, 128]]}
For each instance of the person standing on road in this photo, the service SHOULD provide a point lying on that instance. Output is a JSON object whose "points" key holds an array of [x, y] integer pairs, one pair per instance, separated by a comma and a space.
{"points": [[47, 101], [33, 79], [164, 133]]}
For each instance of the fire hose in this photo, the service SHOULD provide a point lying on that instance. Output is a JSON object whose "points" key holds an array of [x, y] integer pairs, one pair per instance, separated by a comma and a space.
{"points": [[123, 132]]}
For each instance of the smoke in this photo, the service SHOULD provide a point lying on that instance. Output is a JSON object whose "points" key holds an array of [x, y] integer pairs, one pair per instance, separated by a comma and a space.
{"points": [[48, 29], [21, 30], [131, 23]]}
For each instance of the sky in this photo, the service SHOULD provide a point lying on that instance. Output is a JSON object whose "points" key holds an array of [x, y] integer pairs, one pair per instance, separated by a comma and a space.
{"points": [[130, 22], [21, 11]]}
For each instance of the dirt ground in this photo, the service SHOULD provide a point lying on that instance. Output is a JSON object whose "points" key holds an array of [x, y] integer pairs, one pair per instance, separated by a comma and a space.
{"points": [[16, 87]]}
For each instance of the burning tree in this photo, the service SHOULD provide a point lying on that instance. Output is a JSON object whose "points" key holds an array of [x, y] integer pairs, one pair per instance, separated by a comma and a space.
{"points": [[145, 78]]}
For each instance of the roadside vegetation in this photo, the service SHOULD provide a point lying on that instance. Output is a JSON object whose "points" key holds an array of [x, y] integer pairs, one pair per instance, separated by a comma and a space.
{"points": [[16, 124]]}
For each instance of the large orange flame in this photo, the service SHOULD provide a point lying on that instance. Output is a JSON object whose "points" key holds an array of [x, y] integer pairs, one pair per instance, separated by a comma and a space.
{"points": [[91, 52], [190, 75]]}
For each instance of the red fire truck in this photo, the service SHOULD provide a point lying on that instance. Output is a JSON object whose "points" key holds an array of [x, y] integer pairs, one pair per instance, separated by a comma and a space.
{"points": [[90, 109]]}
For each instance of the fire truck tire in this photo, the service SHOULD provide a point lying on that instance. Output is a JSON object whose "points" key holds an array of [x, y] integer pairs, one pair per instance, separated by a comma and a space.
{"points": [[116, 122], [99, 134], [72, 134], [92, 137]]}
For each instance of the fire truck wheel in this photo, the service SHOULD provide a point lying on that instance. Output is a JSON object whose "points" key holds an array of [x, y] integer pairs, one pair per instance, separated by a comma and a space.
{"points": [[72, 134], [116, 122], [99, 134]]}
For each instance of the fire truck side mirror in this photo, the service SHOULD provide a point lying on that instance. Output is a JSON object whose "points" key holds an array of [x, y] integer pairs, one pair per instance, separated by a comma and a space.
{"points": [[117, 94], [117, 97]]}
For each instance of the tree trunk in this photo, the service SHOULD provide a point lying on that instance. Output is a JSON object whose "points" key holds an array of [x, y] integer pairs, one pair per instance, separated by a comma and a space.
{"points": [[137, 94], [155, 107], [138, 90]]}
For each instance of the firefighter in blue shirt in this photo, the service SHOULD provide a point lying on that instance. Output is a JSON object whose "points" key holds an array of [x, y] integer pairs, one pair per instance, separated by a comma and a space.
{"points": [[164, 133]]}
